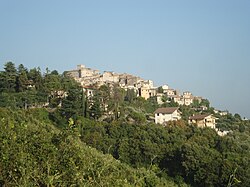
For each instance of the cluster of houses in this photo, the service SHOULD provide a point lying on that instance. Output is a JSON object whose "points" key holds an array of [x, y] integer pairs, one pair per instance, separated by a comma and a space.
{"points": [[186, 98], [164, 115], [88, 77]]}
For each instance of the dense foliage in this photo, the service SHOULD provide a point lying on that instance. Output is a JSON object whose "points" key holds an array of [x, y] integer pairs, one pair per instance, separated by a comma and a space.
{"points": [[48, 122], [198, 156], [34, 153]]}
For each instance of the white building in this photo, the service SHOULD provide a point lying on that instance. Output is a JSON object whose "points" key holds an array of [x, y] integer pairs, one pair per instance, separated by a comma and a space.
{"points": [[163, 115], [159, 97]]}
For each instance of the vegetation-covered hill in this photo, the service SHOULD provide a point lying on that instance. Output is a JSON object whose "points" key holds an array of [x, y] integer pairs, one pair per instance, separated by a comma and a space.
{"points": [[52, 134], [34, 153]]}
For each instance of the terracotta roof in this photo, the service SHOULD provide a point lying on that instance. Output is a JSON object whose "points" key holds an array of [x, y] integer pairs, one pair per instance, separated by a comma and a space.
{"points": [[167, 110], [199, 117]]}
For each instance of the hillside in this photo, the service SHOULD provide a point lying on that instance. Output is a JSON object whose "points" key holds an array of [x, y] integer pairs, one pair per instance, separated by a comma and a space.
{"points": [[35, 153], [55, 133]]}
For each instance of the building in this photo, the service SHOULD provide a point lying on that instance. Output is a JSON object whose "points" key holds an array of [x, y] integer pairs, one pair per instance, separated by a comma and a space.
{"points": [[203, 120], [146, 89], [89, 91], [170, 92], [86, 72], [187, 98], [178, 99], [146, 92], [159, 97], [165, 88], [163, 115], [109, 76]]}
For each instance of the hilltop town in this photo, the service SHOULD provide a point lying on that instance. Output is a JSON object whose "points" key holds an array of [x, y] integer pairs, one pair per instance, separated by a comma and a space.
{"points": [[91, 79], [88, 78]]}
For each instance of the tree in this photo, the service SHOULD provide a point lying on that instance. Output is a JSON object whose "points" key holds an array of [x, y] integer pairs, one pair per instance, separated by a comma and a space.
{"points": [[72, 105], [205, 102], [117, 97], [130, 95], [2, 81], [160, 89], [52, 82], [195, 103], [237, 116], [151, 105], [164, 99], [140, 102], [22, 79], [104, 94], [200, 164], [10, 77], [186, 112], [95, 110], [53, 88], [35, 77]]}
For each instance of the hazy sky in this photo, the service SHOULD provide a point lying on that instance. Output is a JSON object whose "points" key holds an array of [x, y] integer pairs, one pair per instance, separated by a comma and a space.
{"points": [[198, 45]]}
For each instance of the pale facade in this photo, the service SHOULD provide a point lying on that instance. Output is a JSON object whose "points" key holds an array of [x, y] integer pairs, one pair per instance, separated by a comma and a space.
{"points": [[89, 92], [163, 115], [110, 77], [165, 88], [170, 92], [187, 98], [146, 92], [203, 120], [178, 99], [188, 101], [159, 97], [82, 72]]}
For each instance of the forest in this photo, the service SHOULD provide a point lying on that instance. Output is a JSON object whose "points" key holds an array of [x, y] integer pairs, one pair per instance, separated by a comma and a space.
{"points": [[54, 134]]}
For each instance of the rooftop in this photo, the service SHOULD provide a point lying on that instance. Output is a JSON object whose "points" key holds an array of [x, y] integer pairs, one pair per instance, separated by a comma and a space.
{"points": [[199, 117], [167, 110]]}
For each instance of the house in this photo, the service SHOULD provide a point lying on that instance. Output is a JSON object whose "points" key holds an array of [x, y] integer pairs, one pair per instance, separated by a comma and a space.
{"points": [[109, 76], [165, 88], [147, 89], [178, 99], [187, 98], [89, 91], [170, 92], [146, 92], [81, 72], [159, 97], [203, 120], [163, 115]]}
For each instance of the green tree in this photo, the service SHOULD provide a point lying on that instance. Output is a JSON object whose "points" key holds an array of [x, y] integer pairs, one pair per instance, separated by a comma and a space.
{"points": [[36, 79], [237, 116], [196, 103], [2, 81], [95, 110], [52, 83], [72, 105], [117, 98], [160, 89], [205, 102], [104, 94], [151, 105], [53, 88], [10, 77], [130, 95], [22, 79]]}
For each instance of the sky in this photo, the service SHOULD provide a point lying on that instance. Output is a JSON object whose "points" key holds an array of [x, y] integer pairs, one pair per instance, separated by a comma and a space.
{"points": [[191, 45]]}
